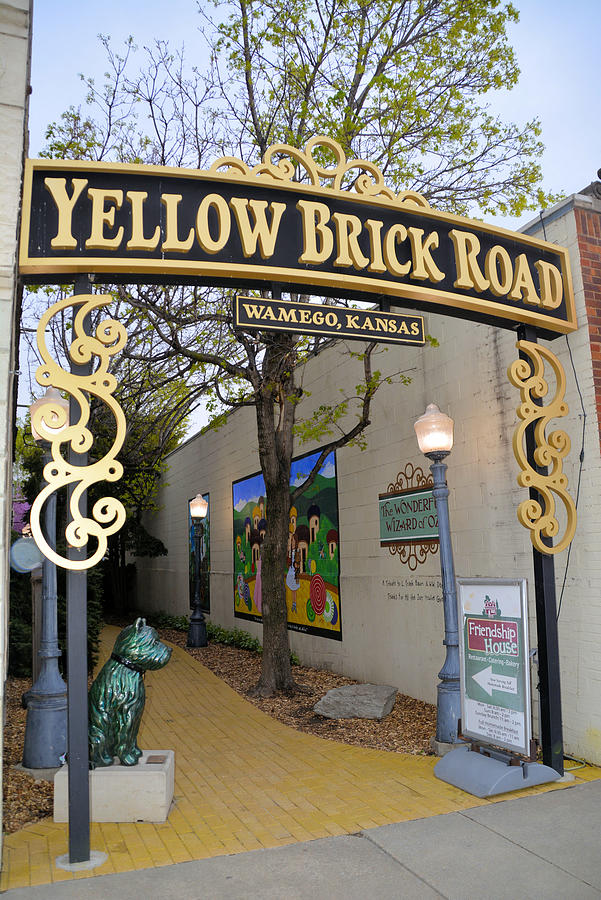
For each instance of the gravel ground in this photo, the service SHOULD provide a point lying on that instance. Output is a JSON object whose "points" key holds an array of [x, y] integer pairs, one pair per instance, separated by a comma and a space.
{"points": [[407, 729]]}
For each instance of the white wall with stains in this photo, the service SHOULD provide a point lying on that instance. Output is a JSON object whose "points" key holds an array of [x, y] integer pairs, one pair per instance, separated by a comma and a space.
{"points": [[392, 617]]}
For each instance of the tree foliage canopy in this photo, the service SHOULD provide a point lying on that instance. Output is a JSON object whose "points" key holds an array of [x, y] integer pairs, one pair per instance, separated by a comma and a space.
{"points": [[407, 84]]}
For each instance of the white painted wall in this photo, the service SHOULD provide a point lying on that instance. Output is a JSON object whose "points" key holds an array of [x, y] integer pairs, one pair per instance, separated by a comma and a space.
{"points": [[392, 619], [15, 38]]}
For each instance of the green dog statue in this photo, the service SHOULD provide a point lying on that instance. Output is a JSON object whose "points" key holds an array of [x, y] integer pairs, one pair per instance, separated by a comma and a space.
{"points": [[117, 696]]}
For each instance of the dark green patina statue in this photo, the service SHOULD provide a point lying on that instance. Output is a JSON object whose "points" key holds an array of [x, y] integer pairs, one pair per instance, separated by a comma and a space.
{"points": [[117, 696]]}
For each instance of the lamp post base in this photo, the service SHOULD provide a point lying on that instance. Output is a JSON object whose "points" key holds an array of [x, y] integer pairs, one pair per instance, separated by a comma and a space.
{"points": [[197, 632], [45, 730], [448, 712]]}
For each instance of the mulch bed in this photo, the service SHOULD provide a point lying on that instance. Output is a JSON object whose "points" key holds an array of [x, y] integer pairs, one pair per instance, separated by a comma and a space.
{"points": [[25, 800], [407, 729]]}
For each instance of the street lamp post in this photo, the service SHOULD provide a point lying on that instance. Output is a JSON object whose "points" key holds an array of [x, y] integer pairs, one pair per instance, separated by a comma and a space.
{"points": [[434, 432], [46, 724], [197, 632]]}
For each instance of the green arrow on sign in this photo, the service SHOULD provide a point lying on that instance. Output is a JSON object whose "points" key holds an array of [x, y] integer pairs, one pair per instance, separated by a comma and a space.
{"points": [[491, 682]]}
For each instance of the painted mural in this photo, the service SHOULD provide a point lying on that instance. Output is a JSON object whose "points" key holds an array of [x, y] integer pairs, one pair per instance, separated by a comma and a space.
{"points": [[205, 559], [312, 576]]}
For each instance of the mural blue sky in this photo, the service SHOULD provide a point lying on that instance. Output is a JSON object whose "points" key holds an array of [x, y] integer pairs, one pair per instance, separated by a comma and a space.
{"points": [[556, 44], [252, 487]]}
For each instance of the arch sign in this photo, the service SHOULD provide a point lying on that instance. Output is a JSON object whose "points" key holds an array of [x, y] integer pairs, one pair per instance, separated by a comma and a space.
{"points": [[235, 225], [309, 221]]}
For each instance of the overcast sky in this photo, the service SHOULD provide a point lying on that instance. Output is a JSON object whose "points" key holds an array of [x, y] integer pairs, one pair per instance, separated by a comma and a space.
{"points": [[557, 45]]}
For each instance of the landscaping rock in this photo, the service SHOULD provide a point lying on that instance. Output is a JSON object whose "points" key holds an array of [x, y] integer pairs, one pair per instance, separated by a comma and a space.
{"points": [[357, 701]]}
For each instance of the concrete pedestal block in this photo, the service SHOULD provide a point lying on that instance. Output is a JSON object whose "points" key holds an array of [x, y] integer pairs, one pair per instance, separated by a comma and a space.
{"points": [[141, 793]]}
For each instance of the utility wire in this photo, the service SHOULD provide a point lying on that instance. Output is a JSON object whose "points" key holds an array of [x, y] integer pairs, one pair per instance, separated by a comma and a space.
{"points": [[565, 574]]}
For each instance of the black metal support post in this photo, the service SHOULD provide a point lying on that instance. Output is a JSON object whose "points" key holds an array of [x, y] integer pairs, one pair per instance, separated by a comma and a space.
{"points": [[197, 632], [77, 662], [546, 623]]}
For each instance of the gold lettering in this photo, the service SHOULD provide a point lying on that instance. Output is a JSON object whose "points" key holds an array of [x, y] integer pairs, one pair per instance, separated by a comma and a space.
{"points": [[265, 234], [467, 247], [424, 267], [332, 320], [397, 232], [352, 321], [375, 244], [269, 314], [101, 217], [172, 243], [499, 270], [315, 216], [403, 328], [137, 240], [523, 283], [305, 317], [318, 318], [224, 223], [348, 229], [414, 328], [381, 324], [64, 239], [252, 311], [551, 284], [287, 315]]}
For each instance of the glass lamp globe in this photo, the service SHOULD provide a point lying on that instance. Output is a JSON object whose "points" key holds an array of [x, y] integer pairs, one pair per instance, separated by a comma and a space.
{"points": [[198, 507], [434, 432], [51, 420]]}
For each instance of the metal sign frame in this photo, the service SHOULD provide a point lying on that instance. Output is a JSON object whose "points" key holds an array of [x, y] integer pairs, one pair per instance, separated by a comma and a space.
{"points": [[482, 720]]}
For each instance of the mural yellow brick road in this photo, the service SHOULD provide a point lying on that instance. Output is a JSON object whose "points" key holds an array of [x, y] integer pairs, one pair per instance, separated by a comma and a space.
{"points": [[243, 782]]}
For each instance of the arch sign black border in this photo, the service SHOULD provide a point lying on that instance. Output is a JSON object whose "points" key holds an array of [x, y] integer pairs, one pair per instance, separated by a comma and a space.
{"points": [[238, 226]]}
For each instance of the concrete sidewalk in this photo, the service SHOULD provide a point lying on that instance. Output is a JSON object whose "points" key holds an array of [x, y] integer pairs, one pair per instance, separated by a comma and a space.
{"points": [[245, 782], [542, 846]]}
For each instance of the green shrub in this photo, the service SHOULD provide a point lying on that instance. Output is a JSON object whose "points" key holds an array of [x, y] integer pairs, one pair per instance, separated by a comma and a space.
{"points": [[20, 626], [165, 620], [19, 633], [234, 637]]}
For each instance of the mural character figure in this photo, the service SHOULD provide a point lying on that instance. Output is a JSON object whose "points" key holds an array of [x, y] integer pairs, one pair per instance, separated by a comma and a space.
{"points": [[258, 586], [240, 551], [240, 587], [292, 582]]}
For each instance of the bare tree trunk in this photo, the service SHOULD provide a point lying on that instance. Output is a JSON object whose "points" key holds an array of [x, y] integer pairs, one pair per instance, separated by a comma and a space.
{"points": [[277, 393], [276, 673]]}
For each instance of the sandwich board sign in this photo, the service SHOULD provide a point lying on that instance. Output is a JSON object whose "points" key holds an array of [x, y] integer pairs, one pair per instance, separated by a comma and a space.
{"points": [[494, 663]]}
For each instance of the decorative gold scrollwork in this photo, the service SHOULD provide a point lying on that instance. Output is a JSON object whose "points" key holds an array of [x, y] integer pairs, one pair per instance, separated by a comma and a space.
{"points": [[539, 517], [281, 162], [50, 421]]}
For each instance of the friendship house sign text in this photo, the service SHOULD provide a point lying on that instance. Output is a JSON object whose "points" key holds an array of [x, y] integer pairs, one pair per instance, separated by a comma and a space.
{"points": [[157, 224]]}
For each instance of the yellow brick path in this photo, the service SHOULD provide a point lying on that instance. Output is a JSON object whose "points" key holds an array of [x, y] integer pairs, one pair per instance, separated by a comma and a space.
{"points": [[242, 782]]}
